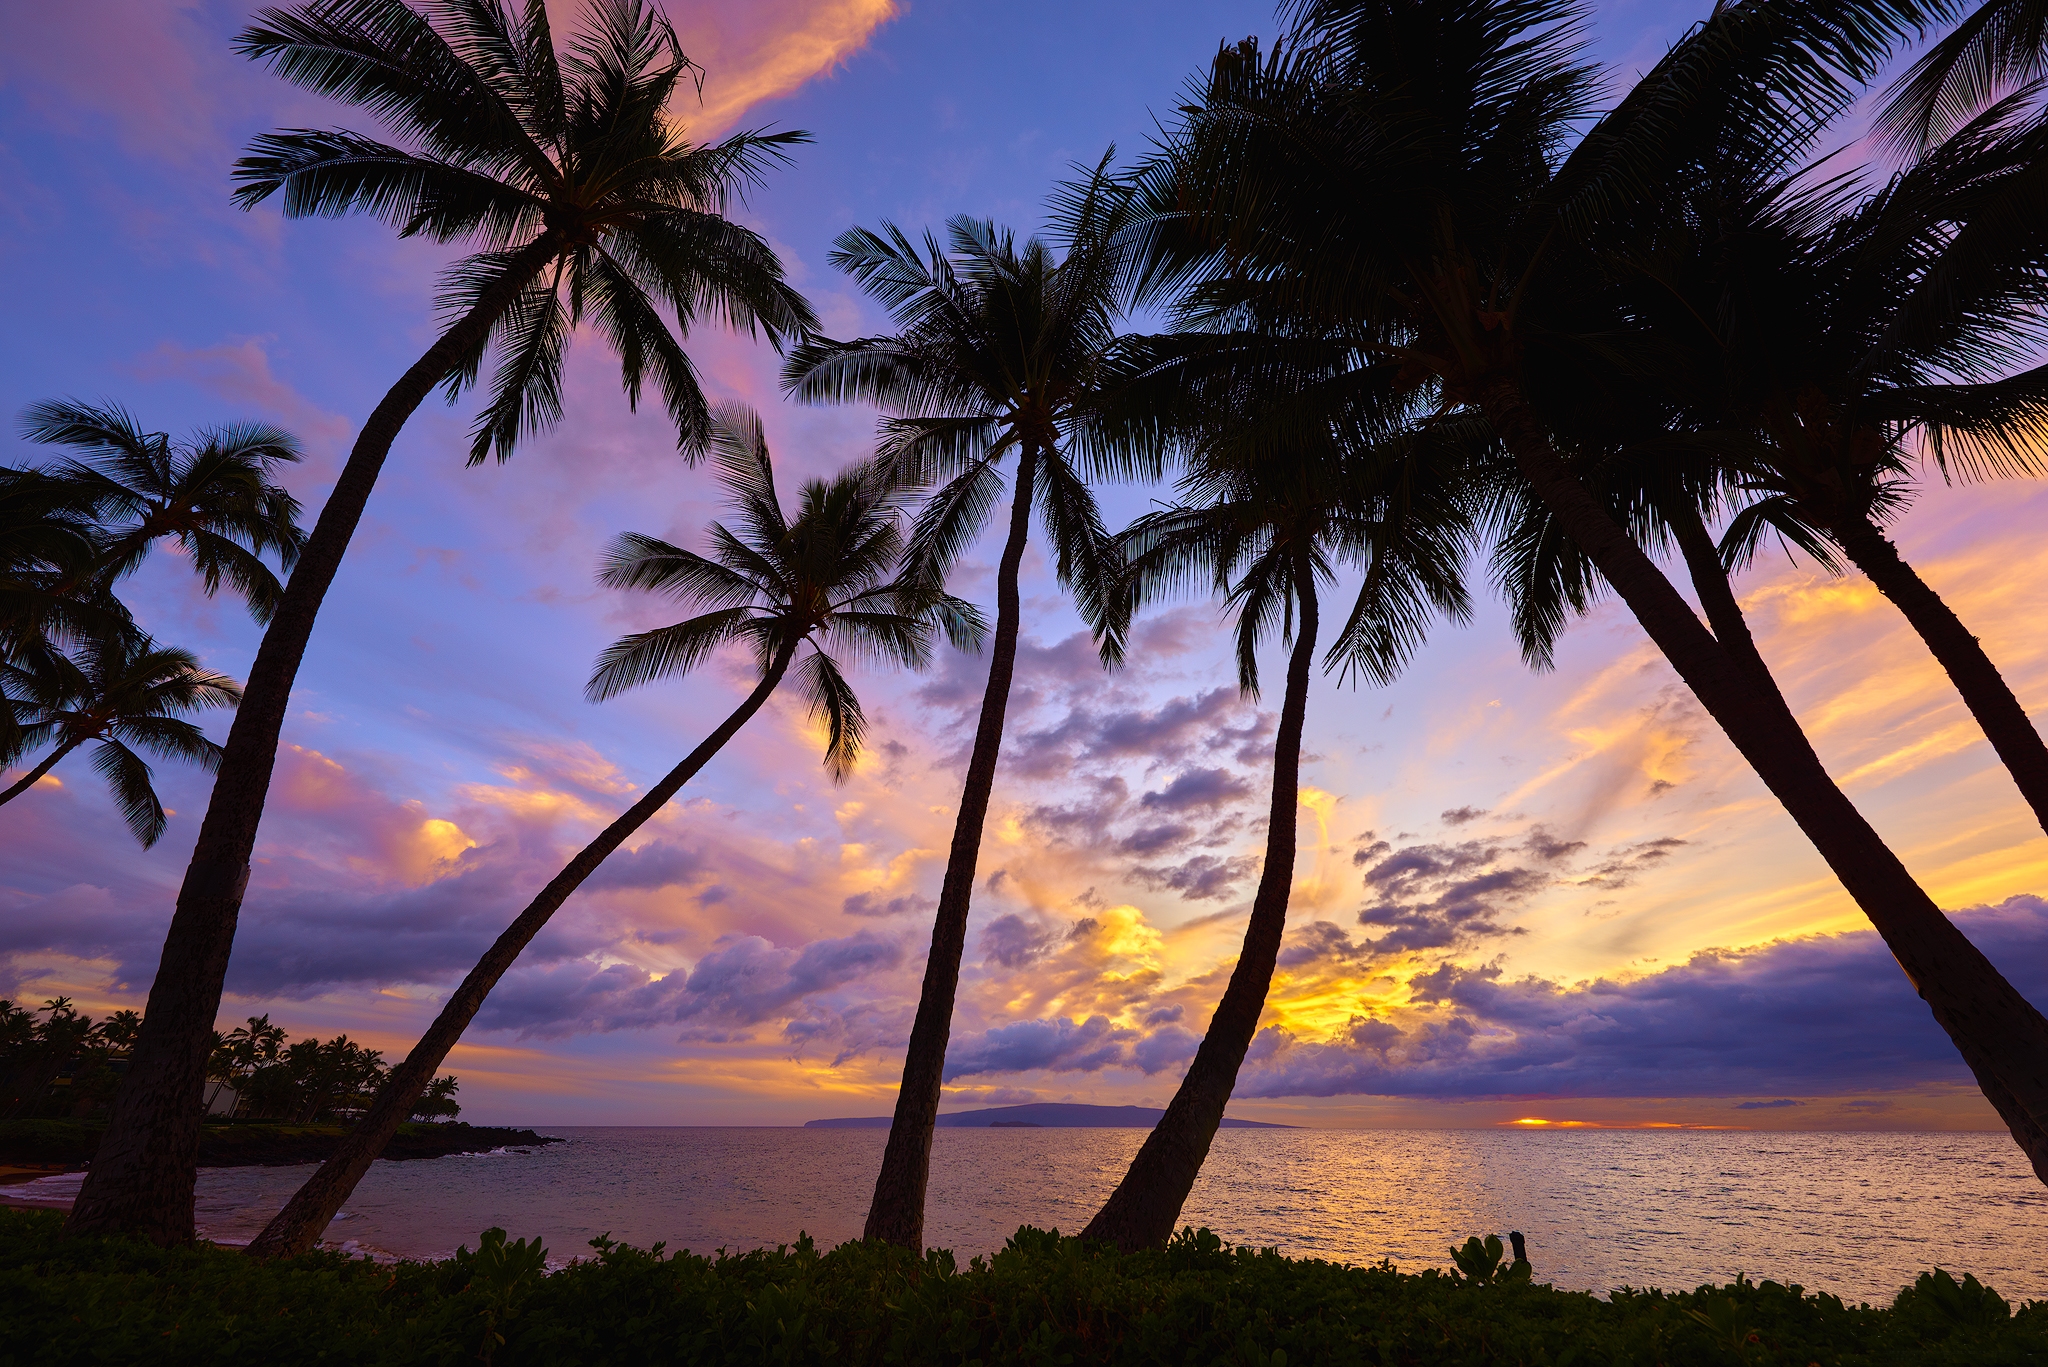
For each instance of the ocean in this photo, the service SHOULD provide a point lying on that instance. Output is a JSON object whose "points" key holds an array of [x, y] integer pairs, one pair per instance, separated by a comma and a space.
{"points": [[1857, 1215]]}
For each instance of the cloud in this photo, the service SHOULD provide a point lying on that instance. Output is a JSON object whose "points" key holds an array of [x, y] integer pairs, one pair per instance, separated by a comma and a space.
{"points": [[1439, 896], [744, 982], [1819, 1015], [768, 48], [1058, 1045], [1462, 816], [1202, 878], [1198, 788]]}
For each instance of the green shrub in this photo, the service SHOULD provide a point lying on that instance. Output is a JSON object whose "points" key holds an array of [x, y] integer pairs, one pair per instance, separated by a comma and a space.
{"points": [[1042, 1300]]}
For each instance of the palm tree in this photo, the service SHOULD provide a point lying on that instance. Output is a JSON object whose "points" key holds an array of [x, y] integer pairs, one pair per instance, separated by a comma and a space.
{"points": [[1999, 49], [1824, 341], [1001, 351], [771, 585], [566, 173], [48, 543], [1398, 170], [122, 693], [214, 494], [1266, 527]]}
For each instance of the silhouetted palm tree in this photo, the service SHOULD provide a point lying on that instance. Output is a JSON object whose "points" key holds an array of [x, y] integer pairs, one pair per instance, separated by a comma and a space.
{"points": [[1998, 50], [584, 200], [1268, 518], [214, 494], [1832, 337], [1001, 351], [1399, 171], [122, 693], [822, 579]]}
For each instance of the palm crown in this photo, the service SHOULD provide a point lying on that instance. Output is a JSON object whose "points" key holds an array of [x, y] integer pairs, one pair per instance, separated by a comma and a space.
{"points": [[215, 494], [565, 170], [774, 583], [128, 694], [1000, 350]]}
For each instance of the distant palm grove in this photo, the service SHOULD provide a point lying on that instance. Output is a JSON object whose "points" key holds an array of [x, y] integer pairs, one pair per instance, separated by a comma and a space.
{"points": [[1437, 307]]}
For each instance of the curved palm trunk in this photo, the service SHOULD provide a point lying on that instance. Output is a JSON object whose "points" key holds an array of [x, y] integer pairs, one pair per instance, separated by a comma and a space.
{"points": [[2000, 1034], [1989, 697], [28, 780], [1717, 596], [1143, 1209], [1724, 615], [297, 1227], [141, 1179], [897, 1213]]}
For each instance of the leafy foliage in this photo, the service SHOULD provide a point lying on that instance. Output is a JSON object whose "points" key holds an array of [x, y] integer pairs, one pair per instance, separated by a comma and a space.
{"points": [[563, 169], [1042, 1299], [64, 1063], [309, 1081]]}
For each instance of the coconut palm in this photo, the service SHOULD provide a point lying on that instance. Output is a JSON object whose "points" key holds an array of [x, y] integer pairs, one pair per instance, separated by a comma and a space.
{"points": [[121, 693], [1836, 337], [775, 587], [1269, 515], [1400, 170], [214, 494], [48, 544], [583, 200], [1002, 351], [1999, 49]]}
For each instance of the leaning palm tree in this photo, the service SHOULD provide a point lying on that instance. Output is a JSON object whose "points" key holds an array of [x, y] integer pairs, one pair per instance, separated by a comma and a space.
{"points": [[215, 494], [583, 199], [773, 586], [1837, 338], [1266, 528], [1001, 352], [1407, 170], [121, 693]]}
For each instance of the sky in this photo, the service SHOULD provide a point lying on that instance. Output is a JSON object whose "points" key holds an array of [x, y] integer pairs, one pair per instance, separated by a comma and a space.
{"points": [[1520, 896]]}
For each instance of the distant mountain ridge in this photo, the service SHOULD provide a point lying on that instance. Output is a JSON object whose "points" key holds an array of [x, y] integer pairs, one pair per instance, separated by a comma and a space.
{"points": [[1047, 1114]]}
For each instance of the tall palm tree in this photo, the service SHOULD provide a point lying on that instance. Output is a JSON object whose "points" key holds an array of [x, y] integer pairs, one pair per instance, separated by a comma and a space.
{"points": [[1835, 334], [121, 693], [215, 494], [1400, 169], [567, 174], [1001, 351], [822, 580], [1266, 527]]}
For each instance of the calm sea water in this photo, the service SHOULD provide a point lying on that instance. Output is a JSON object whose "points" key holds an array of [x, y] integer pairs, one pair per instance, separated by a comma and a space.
{"points": [[1858, 1215]]}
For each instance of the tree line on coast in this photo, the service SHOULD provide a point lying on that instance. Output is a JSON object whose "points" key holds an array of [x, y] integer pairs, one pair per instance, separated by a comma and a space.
{"points": [[1435, 306], [57, 1063]]}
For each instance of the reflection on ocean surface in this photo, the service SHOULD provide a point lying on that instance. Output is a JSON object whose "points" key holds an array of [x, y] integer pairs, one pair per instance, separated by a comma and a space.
{"points": [[1858, 1215]]}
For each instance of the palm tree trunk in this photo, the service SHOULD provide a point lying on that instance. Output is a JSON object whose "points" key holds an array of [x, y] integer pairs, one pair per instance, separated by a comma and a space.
{"points": [[2000, 1034], [1989, 697], [297, 1227], [897, 1213], [1724, 615], [1143, 1209], [28, 780], [141, 1178]]}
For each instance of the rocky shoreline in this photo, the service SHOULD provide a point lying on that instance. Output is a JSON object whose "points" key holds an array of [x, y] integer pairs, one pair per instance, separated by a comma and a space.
{"points": [[64, 1144]]}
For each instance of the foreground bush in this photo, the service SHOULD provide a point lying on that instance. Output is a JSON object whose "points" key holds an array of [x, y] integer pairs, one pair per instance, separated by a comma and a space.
{"points": [[1042, 1300]]}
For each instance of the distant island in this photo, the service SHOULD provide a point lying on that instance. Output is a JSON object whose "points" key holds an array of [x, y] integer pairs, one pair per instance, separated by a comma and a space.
{"points": [[1040, 1115]]}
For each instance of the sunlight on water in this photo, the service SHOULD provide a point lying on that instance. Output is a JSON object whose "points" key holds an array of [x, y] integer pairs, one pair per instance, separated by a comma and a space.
{"points": [[1855, 1214]]}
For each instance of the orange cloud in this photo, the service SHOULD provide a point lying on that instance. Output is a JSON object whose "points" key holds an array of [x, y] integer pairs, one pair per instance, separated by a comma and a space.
{"points": [[769, 48]]}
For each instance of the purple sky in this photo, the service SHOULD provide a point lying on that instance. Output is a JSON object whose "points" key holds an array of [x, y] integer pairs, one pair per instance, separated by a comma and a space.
{"points": [[1555, 895]]}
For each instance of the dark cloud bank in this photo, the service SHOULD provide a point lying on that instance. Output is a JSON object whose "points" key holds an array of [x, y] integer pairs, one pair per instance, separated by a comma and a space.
{"points": [[1817, 1016]]}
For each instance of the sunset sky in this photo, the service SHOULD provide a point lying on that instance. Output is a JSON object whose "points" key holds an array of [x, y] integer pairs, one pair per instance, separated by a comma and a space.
{"points": [[1555, 896]]}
